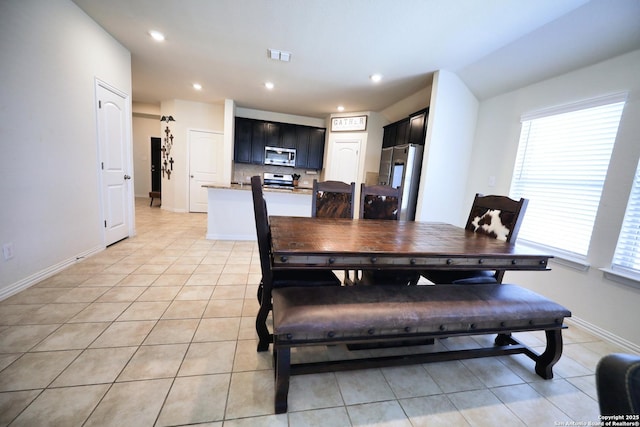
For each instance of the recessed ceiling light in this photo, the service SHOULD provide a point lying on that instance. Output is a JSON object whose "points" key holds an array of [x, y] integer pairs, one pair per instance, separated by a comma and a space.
{"points": [[197, 86], [375, 77], [269, 85], [340, 108], [156, 35]]}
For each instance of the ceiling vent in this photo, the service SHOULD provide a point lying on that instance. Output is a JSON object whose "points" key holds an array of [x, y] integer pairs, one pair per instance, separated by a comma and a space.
{"points": [[279, 55]]}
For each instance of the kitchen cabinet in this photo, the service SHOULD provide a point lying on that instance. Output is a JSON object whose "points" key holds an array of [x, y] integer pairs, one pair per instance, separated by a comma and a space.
{"points": [[316, 148], [417, 128], [410, 130], [258, 142], [272, 134], [303, 134], [402, 128], [251, 136], [389, 136], [243, 138], [288, 136]]}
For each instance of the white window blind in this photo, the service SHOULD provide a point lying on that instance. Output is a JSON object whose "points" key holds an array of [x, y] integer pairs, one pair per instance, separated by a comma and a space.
{"points": [[562, 161], [627, 255]]}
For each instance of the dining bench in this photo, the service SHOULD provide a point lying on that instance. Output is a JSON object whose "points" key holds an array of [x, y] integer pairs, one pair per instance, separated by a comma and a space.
{"points": [[388, 314]]}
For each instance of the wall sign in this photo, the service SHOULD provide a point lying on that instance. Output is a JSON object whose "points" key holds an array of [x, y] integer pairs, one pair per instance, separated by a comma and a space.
{"points": [[349, 124]]}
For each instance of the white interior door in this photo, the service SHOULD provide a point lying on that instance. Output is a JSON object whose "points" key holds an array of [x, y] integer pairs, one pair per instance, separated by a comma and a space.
{"points": [[205, 166], [344, 162], [113, 142]]}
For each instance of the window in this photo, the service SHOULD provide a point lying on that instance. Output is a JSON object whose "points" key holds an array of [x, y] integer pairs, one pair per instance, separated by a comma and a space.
{"points": [[627, 255], [562, 161]]}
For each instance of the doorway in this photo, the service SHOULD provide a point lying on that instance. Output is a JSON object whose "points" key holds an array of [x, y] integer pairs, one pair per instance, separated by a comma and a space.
{"points": [[156, 168]]}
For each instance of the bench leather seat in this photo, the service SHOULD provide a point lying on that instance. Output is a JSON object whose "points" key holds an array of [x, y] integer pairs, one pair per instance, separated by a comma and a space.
{"points": [[339, 312]]}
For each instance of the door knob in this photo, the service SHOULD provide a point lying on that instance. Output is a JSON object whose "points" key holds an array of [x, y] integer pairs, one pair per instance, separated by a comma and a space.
{"points": [[127, 177], [191, 176]]}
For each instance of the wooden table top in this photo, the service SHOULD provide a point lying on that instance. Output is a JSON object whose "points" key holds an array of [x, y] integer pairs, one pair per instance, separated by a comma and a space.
{"points": [[299, 242]]}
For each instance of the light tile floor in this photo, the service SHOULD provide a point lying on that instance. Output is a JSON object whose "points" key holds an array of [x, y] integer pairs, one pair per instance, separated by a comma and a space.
{"points": [[158, 330]]}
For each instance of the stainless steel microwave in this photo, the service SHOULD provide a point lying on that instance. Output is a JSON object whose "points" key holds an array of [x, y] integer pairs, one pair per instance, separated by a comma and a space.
{"points": [[280, 156]]}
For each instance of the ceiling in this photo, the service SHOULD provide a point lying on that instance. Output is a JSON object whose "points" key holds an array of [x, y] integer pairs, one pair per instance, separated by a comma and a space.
{"points": [[493, 45]]}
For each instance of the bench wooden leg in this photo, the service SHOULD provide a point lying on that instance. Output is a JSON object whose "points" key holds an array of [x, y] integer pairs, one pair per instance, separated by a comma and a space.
{"points": [[282, 360], [503, 339], [544, 361], [551, 355]]}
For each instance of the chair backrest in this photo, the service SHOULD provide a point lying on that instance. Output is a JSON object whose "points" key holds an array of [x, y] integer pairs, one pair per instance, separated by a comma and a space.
{"points": [[333, 199], [497, 216], [263, 231], [380, 202]]}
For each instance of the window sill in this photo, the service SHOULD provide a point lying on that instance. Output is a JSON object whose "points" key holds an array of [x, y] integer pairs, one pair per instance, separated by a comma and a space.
{"points": [[574, 263], [559, 257], [625, 278]]}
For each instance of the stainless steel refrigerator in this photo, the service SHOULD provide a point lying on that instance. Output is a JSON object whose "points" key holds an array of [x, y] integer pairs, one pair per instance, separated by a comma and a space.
{"points": [[400, 167]]}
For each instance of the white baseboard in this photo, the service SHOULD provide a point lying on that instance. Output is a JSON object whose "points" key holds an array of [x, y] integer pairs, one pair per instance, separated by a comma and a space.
{"points": [[605, 335], [27, 282]]}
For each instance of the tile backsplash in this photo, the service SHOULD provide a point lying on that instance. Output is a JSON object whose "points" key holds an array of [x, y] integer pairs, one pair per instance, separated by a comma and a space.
{"points": [[243, 173]]}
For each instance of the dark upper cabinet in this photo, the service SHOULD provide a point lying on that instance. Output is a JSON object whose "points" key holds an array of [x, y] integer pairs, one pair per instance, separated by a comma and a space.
{"points": [[412, 130], [402, 128], [243, 138], [288, 135], [272, 134], [389, 136], [417, 128], [303, 134], [251, 136], [316, 148], [258, 142]]}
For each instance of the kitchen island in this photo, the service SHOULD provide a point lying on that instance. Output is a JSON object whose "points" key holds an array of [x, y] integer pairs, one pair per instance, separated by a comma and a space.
{"points": [[230, 209]]}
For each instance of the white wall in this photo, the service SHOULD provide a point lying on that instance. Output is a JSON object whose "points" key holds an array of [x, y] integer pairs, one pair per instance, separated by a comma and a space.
{"points": [[375, 134], [249, 113], [51, 54], [605, 306], [145, 126], [188, 115], [416, 102], [447, 152]]}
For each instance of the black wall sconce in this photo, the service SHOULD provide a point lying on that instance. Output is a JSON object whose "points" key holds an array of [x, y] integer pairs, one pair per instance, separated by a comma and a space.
{"points": [[167, 164]]}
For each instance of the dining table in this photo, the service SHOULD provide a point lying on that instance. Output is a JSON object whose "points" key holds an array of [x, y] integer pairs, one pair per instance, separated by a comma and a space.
{"points": [[360, 244]]}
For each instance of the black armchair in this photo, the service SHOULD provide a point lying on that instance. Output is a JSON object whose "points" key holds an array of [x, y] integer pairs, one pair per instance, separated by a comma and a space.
{"points": [[618, 384]]}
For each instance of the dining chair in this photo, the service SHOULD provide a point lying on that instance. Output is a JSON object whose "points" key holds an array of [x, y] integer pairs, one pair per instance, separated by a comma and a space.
{"points": [[496, 216], [333, 199], [382, 202], [276, 279]]}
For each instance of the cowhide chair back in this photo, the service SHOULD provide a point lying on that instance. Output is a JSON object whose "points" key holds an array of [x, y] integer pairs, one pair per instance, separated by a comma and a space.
{"points": [[333, 199], [380, 202], [496, 216]]}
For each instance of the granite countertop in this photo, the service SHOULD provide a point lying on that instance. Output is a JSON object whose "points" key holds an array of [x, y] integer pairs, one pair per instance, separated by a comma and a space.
{"points": [[237, 186]]}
